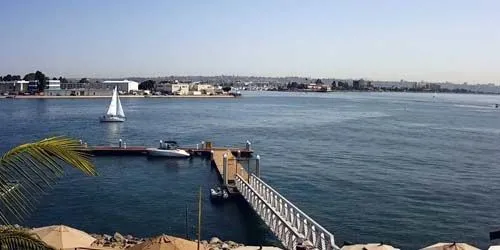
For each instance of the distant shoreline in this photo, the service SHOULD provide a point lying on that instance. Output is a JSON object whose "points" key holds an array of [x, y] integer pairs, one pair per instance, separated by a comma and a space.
{"points": [[121, 96]]}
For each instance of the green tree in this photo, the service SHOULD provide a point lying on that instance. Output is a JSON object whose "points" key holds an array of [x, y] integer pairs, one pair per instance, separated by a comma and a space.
{"points": [[29, 77], [147, 85], [318, 82], [42, 80], [7, 78], [28, 171], [226, 88], [84, 80], [63, 80], [16, 77]]}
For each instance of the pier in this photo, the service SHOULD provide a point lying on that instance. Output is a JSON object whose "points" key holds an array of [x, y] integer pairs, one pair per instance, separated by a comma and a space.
{"points": [[202, 149], [293, 227]]}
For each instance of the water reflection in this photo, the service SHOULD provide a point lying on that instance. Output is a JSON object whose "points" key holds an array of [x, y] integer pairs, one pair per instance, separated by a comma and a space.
{"points": [[113, 131]]}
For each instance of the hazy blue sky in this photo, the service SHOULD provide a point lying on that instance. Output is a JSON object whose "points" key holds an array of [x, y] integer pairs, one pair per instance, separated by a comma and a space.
{"points": [[452, 40]]}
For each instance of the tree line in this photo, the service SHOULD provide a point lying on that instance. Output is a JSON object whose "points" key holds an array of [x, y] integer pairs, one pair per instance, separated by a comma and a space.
{"points": [[33, 76]]}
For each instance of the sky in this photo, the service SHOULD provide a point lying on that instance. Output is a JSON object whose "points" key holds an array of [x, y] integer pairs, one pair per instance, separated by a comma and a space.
{"points": [[430, 40]]}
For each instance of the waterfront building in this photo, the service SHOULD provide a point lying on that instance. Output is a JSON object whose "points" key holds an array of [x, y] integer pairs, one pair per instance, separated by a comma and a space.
{"points": [[123, 86], [206, 89], [173, 88], [14, 86], [359, 84]]}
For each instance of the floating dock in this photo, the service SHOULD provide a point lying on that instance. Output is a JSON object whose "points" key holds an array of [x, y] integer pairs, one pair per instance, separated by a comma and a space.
{"points": [[224, 159], [142, 150]]}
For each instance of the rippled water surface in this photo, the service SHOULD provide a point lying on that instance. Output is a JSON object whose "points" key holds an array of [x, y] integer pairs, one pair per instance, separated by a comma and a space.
{"points": [[408, 169]]}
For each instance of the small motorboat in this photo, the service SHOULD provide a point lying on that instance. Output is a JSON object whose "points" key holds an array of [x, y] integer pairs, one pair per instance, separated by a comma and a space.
{"points": [[218, 194], [168, 149]]}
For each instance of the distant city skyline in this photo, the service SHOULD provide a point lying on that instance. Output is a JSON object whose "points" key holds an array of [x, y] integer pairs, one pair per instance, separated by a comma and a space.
{"points": [[434, 41]]}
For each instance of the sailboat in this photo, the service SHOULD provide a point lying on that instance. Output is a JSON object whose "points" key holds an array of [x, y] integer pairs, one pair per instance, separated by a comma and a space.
{"points": [[115, 110]]}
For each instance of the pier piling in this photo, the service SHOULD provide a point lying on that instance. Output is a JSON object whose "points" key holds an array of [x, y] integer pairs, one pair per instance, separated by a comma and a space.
{"points": [[257, 166], [224, 170]]}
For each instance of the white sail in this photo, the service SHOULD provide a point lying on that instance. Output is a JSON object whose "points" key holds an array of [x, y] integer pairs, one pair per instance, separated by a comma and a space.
{"points": [[113, 105], [119, 109]]}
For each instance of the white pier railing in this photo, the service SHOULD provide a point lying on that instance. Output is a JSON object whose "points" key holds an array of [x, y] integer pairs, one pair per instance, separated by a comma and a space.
{"points": [[286, 221]]}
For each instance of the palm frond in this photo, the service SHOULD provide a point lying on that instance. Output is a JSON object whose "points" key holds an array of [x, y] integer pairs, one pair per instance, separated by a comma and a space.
{"points": [[29, 170], [12, 238]]}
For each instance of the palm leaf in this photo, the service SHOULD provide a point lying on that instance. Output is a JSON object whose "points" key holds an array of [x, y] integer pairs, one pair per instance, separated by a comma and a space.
{"points": [[29, 170], [12, 238]]}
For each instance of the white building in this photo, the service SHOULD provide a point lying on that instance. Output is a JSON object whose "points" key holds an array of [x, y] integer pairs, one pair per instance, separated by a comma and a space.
{"points": [[54, 85], [178, 88], [206, 89], [125, 86]]}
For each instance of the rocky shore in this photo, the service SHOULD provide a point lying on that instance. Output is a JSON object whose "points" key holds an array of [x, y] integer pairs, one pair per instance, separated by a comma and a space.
{"points": [[119, 241]]}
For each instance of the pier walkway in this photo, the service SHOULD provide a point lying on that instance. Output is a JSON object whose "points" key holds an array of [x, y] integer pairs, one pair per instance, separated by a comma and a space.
{"points": [[291, 226]]}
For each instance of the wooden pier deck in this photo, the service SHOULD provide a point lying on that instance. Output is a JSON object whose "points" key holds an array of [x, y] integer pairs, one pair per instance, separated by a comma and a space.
{"points": [[141, 150], [233, 168]]}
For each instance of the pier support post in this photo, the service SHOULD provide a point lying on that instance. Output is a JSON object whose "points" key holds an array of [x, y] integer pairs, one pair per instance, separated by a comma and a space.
{"points": [[161, 143], [124, 145], [81, 142], [212, 155], [224, 169], [202, 144], [85, 145], [248, 145], [239, 154], [257, 166], [197, 146], [120, 143]]}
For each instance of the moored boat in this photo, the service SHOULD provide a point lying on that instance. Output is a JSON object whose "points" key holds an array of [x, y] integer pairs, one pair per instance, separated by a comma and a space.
{"points": [[167, 149], [218, 194]]}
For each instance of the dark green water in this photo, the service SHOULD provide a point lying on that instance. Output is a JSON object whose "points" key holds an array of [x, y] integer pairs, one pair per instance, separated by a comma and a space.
{"points": [[408, 169]]}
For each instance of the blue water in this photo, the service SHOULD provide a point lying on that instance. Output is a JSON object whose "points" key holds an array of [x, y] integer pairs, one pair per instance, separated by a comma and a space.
{"points": [[408, 169]]}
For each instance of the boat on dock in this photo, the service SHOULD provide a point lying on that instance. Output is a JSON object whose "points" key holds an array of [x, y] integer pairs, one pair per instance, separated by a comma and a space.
{"points": [[115, 110], [219, 194], [168, 149]]}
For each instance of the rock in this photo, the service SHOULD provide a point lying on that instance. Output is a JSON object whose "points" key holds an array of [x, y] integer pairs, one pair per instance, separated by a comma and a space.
{"points": [[129, 237], [215, 240], [118, 237], [106, 236], [232, 244], [204, 242], [16, 226], [225, 246], [214, 248], [97, 236]]}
